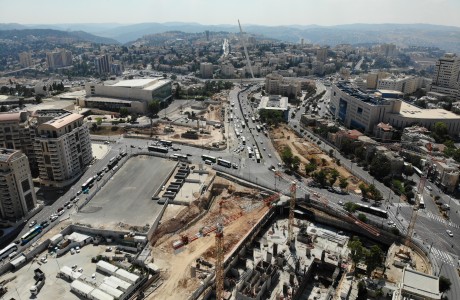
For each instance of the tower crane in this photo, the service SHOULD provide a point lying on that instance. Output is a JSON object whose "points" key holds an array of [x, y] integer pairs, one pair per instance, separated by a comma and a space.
{"points": [[220, 262], [248, 62], [291, 215]]}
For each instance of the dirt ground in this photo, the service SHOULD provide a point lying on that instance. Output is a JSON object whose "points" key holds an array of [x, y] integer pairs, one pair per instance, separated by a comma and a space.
{"points": [[308, 152], [239, 213]]}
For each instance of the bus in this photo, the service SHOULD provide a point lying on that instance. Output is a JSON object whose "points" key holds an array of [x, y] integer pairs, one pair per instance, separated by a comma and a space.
{"points": [[89, 183], [258, 128], [158, 149], [112, 162], [372, 210], [166, 143], [224, 163], [243, 140], [31, 234], [210, 158], [179, 156], [418, 171], [7, 251]]}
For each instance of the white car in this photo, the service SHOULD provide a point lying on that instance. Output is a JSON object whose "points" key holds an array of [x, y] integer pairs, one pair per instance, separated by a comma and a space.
{"points": [[449, 233], [341, 203]]}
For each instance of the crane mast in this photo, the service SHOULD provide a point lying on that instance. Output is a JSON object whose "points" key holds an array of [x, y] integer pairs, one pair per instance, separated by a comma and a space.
{"points": [[291, 215], [248, 62], [220, 262]]}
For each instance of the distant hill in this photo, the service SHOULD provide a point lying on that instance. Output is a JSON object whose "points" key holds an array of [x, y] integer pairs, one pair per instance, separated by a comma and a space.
{"points": [[50, 34], [444, 37]]}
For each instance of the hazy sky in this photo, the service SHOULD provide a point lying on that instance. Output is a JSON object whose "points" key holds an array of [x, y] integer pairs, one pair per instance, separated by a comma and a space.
{"points": [[263, 12]]}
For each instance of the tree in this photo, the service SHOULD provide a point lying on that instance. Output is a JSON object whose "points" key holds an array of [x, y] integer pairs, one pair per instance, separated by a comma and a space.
{"points": [[123, 112], [3, 108], [153, 107], [133, 118], [356, 251], [310, 167], [350, 207], [380, 166], [364, 189], [444, 284], [343, 183], [374, 259], [375, 193], [440, 132], [98, 121], [320, 177], [295, 163], [173, 77], [286, 156], [362, 217], [362, 291], [38, 99], [408, 170]]}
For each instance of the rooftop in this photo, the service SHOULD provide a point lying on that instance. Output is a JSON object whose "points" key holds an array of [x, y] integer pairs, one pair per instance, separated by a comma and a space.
{"points": [[411, 111], [63, 120], [5, 154], [274, 102], [144, 83], [420, 284]]}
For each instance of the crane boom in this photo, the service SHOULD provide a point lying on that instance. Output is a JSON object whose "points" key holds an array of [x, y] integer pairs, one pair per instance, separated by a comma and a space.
{"points": [[248, 62]]}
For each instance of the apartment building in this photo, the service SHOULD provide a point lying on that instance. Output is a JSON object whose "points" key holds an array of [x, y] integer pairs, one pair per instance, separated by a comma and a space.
{"points": [[59, 59], [62, 147], [25, 59], [103, 64], [275, 84], [360, 110], [446, 79], [206, 70], [405, 84], [373, 78], [17, 195], [16, 132]]}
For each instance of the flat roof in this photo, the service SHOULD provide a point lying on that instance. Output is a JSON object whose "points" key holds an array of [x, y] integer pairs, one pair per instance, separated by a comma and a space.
{"points": [[10, 116], [274, 102], [127, 275], [106, 266], [135, 83], [110, 290], [78, 237], [63, 120], [97, 294], [115, 281], [82, 287], [411, 111], [105, 99], [421, 284], [69, 272]]}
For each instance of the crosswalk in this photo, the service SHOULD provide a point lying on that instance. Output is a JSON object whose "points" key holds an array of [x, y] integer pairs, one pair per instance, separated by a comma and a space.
{"points": [[443, 256], [439, 219]]}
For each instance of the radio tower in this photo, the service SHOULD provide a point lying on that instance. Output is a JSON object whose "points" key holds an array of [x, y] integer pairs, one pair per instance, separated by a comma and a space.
{"points": [[291, 215], [220, 262], [243, 40]]}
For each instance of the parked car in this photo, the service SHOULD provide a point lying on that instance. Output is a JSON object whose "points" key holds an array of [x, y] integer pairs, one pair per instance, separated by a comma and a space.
{"points": [[449, 233], [44, 224], [33, 223]]}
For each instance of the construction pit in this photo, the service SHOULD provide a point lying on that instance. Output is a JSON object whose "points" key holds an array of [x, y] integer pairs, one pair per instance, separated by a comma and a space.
{"points": [[237, 208]]}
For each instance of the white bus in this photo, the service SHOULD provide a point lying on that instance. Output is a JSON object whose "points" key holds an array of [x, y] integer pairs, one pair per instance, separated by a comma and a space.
{"points": [[8, 250], [418, 171], [224, 163]]}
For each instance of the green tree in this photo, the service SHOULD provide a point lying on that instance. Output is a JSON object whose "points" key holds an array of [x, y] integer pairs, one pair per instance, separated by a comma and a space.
{"points": [[362, 217], [356, 251], [343, 183], [408, 170], [295, 163], [3, 108], [380, 166], [350, 207], [38, 99], [374, 259], [320, 177], [286, 156], [310, 167], [444, 284], [153, 107], [440, 132], [123, 112], [364, 189], [375, 193], [362, 291], [98, 121]]}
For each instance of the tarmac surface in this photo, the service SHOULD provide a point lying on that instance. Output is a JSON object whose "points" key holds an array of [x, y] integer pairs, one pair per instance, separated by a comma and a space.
{"points": [[126, 198]]}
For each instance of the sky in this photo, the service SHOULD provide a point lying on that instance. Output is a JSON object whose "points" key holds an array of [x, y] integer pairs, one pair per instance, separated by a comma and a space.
{"points": [[209, 12]]}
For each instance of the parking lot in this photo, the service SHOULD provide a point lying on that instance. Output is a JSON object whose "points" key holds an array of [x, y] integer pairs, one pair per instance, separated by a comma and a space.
{"points": [[127, 195]]}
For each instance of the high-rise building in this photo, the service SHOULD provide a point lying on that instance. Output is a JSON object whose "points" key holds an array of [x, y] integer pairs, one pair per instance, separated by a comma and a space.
{"points": [[405, 84], [62, 147], [388, 50], [275, 84], [59, 59], [321, 54], [102, 64], [17, 195], [116, 68], [16, 132], [446, 79], [206, 70], [25, 59]]}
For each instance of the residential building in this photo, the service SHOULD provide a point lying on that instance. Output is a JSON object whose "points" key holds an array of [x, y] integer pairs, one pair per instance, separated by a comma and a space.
{"points": [[227, 70], [62, 147], [405, 84], [17, 195], [361, 110], [102, 64], [25, 59], [388, 50], [446, 79], [396, 162], [59, 59], [206, 70], [16, 132], [133, 94], [116, 68], [417, 285], [383, 132], [373, 78], [321, 54], [276, 84], [275, 102]]}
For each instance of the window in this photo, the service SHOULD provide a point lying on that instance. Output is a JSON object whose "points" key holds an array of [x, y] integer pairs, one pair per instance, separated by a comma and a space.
{"points": [[360, 110], [25, 185]]}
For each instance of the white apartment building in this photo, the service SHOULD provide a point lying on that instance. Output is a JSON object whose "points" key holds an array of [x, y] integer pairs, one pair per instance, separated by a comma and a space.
{"points": [[446, 79], [59, 58], [17, 133], [17, 195], [275, 84], [405, 84], [62, 147]]}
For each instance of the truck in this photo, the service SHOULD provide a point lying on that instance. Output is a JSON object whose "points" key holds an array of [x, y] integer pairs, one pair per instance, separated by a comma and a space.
{"points": [[39, 282]]}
